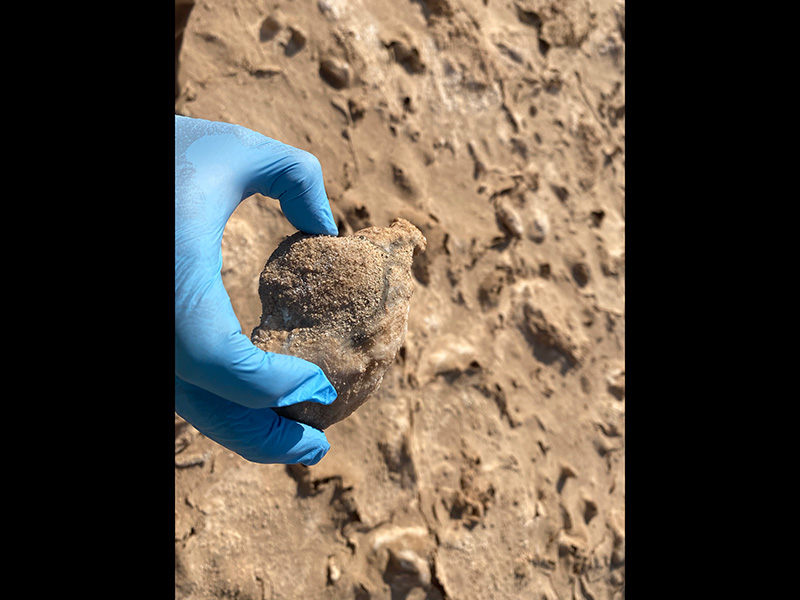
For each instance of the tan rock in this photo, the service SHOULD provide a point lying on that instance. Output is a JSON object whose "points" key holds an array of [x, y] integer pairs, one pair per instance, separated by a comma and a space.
{"points": [[341, 303]]}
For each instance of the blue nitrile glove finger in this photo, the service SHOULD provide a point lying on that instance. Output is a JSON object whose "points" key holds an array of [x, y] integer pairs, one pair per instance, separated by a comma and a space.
{"points": [[259, 435], [217, 165], [247, 162]]}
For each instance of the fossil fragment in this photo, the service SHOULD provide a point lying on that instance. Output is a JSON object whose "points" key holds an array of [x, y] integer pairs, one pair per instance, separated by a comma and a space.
{"points": [[341, 303]]}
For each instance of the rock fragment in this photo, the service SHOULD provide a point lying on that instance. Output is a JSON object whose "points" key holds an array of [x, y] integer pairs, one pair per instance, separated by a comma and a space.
{"points": [[508, 218], [341, 303], [335, 73], [541, 225]]}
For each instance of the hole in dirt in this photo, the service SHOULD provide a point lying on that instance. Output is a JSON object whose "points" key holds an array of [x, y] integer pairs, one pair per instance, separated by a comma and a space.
{"points": [[269, 29], [589, 511], [580, 273]]}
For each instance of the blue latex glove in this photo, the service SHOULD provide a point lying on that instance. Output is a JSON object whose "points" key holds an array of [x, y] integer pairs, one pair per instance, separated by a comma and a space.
{"points": [[224, 385]]}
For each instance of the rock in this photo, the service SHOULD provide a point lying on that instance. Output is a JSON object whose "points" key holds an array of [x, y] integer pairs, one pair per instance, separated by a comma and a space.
{"points": [[341, 303], [336, 74], [407, 57], [541, 225], [508, 218], [550, 338], [334, 572]]}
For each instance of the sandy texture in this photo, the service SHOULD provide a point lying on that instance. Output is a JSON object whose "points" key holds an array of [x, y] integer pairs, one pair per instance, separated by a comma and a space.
{"points": [[490, 464], [341, 303]]}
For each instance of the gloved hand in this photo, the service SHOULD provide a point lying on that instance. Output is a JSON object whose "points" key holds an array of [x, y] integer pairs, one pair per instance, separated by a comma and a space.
{"points": [[224, 385]]}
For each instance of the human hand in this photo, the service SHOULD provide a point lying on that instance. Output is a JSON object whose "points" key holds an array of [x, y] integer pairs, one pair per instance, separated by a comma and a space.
{"points": [[225, 386]]}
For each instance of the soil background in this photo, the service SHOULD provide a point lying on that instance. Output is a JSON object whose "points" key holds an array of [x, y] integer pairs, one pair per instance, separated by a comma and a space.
{"points": [[491, 462]]}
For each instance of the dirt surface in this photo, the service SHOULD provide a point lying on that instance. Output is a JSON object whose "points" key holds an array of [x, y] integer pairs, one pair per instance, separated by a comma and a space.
{"points": [[491, 462]]}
